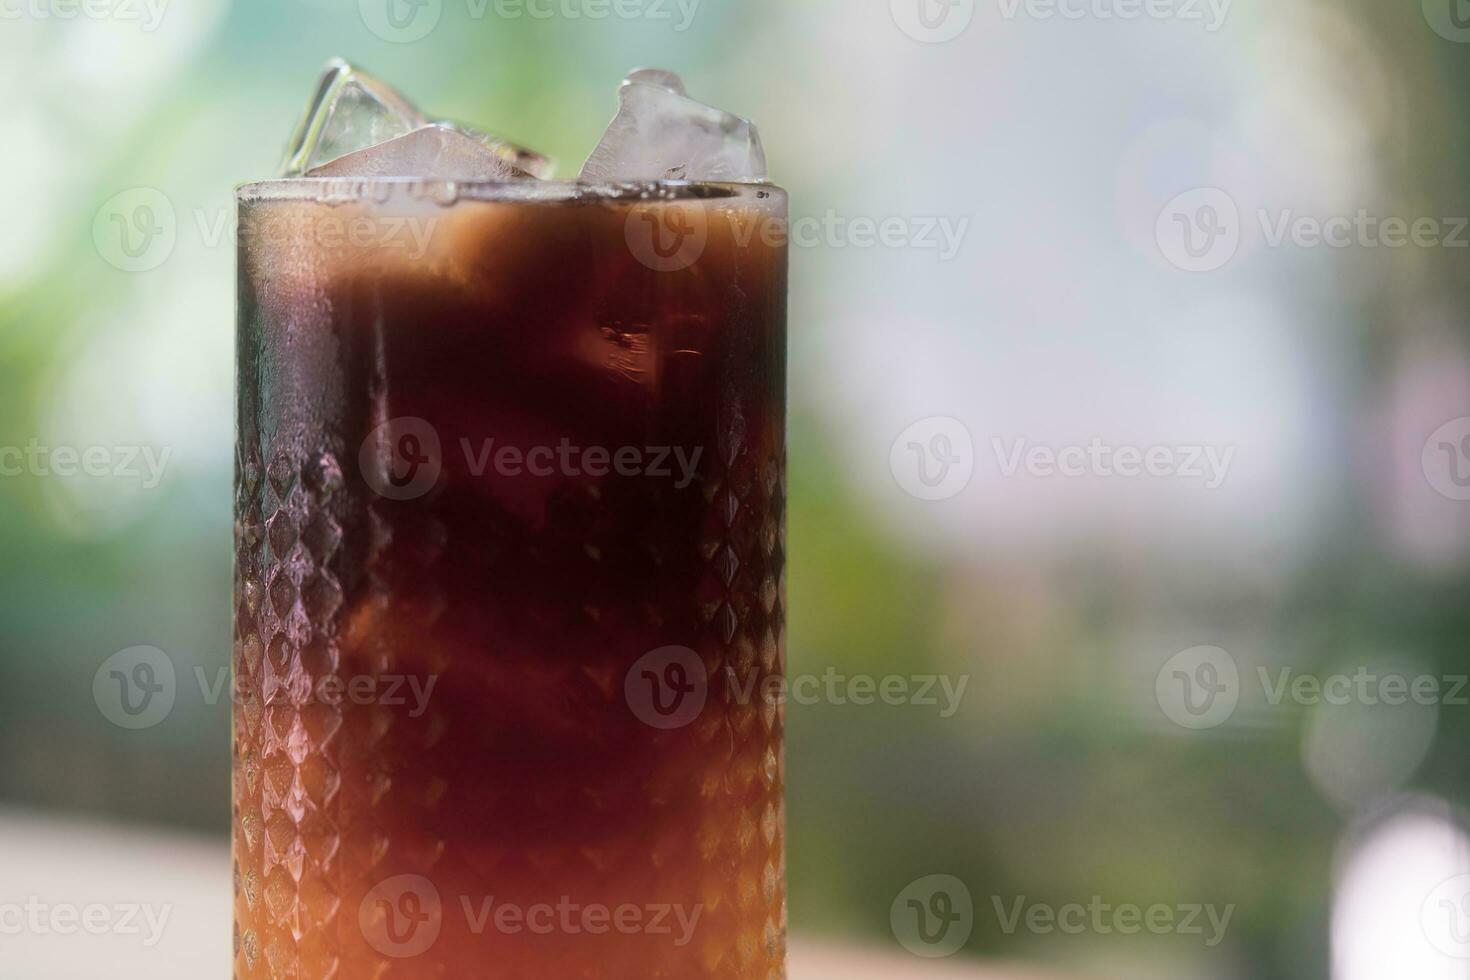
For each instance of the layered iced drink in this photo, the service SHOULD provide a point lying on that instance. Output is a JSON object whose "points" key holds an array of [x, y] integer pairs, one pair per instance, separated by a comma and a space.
{"points": [[510, 547]]}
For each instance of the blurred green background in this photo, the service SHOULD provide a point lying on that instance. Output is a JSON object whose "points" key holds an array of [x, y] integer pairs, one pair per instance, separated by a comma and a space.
{"points": [[1059, 319]]}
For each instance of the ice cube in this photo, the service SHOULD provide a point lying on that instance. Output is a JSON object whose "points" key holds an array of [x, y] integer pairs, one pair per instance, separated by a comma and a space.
{"points": [[660, 133], [353, 111], [435, 152], [350, 111], [532, 163], [657, 76]]}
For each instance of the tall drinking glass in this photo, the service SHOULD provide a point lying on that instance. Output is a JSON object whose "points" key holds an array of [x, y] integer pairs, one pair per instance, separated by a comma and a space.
{"points": [[509, 594]]}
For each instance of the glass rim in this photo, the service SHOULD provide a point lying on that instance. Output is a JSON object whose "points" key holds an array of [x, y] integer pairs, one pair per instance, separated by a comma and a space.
{"points": [[343, 190]]}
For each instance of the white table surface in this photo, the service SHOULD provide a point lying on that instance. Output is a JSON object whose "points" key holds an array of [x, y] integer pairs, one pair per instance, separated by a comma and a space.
{"points": [[56, 861]]}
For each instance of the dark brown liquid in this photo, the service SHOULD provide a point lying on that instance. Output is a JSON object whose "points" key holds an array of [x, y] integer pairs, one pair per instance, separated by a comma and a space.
{"points": [[548, 825]]}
